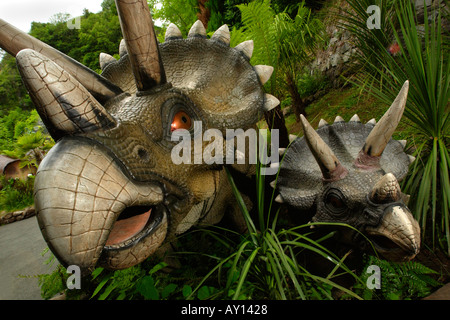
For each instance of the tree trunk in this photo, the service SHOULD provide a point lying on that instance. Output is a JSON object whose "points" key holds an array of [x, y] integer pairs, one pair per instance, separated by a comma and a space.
{"points": [[275, 120], [298, 106], [204, 13]]}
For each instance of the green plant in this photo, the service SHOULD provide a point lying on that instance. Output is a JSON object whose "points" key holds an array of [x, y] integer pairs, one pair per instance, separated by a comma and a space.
{"points": [[399, 281], [31, 148], [283, 42], [16, 194], [119, 284], [264, 262], [422, 57], [354, 18], [308, 84], [55, 282]]}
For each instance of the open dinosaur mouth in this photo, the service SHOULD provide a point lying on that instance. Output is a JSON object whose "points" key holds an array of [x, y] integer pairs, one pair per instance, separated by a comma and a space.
{"points": [[391, 249], [386, 246], [134, 224], [397, 237], [384, 243]]}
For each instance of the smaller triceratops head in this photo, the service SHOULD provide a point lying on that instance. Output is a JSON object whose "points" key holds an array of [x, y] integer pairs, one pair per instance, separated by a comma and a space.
{"points": [[348, 173]]}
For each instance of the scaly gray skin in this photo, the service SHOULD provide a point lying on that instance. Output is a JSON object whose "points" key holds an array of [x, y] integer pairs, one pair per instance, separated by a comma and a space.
{"points": [[108, 193], [348, 173]]}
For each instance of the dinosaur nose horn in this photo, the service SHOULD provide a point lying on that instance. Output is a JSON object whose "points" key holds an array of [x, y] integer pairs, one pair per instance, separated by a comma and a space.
{"points": [[13, 40], [332, 169], [142, 45], [380, 135], [64, 104], [386, 190]]}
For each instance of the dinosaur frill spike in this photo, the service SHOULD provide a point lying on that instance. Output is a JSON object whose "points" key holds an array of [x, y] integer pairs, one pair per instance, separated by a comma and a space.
{"points": [[197, 30], [355, 118], [222, 34], [122, 48], [264, 72], [382, 132], [386, 190], [292, 138], [172, 33], [322, 123], [246, 48], [339, 119], [332, 169], [142, 45], [270, 102], [12, 40], [105, 59]]}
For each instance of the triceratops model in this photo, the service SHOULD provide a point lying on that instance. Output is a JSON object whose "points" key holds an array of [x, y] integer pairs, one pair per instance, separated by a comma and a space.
{"points": [[108, 192], [348, 173]]}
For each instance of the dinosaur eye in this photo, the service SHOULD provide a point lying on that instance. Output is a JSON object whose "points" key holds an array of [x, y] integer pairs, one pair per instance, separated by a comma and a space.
{"points": [[181, 120], [335, 202]]}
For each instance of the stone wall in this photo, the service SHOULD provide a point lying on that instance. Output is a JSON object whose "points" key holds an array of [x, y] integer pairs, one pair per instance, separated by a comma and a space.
{"points": [[17, 215], [334, 60]]}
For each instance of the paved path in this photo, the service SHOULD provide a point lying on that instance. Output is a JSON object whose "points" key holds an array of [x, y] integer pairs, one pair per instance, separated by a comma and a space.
{"points": [[21, 260]]}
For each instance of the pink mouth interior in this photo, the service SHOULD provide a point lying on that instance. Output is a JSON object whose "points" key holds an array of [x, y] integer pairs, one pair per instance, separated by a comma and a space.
{"points": [[127, 228]]}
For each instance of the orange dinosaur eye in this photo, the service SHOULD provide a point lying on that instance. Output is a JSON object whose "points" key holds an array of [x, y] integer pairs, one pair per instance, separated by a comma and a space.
{"points": [[181, 120]]}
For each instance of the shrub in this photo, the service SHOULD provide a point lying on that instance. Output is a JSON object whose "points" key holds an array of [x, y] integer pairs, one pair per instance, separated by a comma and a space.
{"points": [[16, 194], [421, 56]]}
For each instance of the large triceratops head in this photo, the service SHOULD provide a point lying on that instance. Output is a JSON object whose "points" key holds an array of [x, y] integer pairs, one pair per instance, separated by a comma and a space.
{"points": [[348, 173], [109, 193]]}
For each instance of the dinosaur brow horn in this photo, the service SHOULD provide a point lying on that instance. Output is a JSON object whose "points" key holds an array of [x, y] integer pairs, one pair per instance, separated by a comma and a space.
{"points": [[140, 38], [380, 135], [13, 40], [332, 169], [386, 190]]}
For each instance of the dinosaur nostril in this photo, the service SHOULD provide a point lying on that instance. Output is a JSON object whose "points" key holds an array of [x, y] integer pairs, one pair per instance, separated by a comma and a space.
{"points": [[143, 154]]}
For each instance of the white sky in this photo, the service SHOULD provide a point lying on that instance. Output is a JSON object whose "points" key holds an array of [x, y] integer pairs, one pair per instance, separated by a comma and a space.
{"points": [[20, 13]]}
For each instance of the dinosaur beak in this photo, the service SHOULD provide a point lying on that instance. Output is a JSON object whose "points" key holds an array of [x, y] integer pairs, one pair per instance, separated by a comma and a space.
{"points": [[397, 237], [91, 213]]}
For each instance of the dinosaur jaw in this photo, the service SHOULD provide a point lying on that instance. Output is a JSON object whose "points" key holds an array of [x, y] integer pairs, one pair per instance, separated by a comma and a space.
{"points": [[132, 225], [136, 234], [90, 212], [397, 238]]}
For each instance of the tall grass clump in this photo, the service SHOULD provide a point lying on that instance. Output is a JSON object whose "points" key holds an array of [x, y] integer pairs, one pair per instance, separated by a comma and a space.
{"points": [[407, 49], [265, 263]]}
